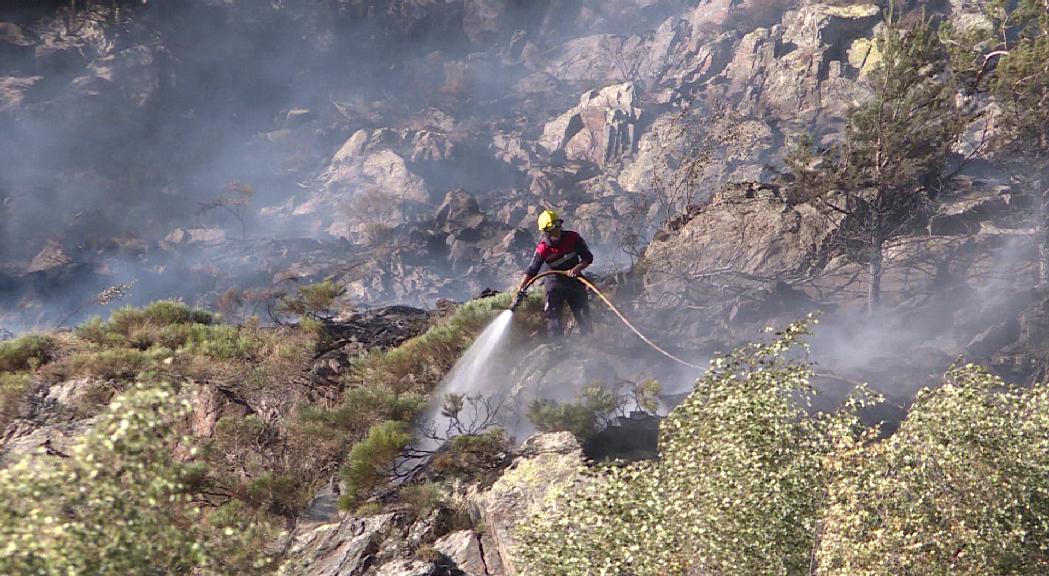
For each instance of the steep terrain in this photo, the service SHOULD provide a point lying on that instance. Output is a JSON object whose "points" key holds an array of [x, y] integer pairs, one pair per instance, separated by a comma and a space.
{"points": [[326, 174]]}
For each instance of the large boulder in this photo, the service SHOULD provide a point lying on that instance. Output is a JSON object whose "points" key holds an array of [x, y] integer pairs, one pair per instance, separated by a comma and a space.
{"points": [[547, 464], [458, 210], [367, 181], [749, 232], [600, 129], [464, 549], [14, 89]]}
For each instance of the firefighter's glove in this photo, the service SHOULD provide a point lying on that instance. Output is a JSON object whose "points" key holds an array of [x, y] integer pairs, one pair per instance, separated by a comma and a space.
{"points": [[520, 297]]}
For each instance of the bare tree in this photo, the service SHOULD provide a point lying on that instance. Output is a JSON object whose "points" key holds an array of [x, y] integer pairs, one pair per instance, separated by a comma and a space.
{"points": [[234, 201]]}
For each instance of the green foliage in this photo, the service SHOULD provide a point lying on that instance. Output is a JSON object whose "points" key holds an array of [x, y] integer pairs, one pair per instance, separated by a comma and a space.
{"points": [[280, 494], [361, 409], [111, 364], [879, 180], [174, 326], [582, 418], [422, 499], [367, 509], [160, 313], [736, 490], [129, 512], [419, 364], [962, 486], [1005, 54], [471, 455], [224, 343], [13, 387], [370, 462], [25, 352], [313, 301]]}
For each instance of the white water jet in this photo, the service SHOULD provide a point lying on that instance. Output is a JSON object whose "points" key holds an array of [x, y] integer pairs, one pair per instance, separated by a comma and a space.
{"points": [[473, 374]]}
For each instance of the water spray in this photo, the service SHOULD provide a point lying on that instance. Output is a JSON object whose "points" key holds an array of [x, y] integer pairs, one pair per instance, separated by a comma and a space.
{"points": [[521, 296]]}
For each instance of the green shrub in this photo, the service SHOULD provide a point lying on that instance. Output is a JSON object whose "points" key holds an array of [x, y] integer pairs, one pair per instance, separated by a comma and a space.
{"points": [[473, 455], [25, 352], [736, 491], [313, 301], [12, 390], [419, 364], [368, 509], [582, 418], [155, 324], [129, 512], [113, 363], [962, 487], [370, 462], [279, 494], [224, 343], [362, 408], [422, 499]]}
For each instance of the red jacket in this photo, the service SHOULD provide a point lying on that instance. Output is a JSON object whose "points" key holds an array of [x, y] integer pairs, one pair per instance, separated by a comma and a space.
{"points": [[561, 254]]}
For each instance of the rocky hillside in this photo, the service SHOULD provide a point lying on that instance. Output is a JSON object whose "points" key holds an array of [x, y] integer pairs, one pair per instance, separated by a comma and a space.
{"points": [[403, 148]]}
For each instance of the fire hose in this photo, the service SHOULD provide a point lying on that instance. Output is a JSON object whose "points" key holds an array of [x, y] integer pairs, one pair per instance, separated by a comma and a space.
{"points": [[521, 295]]}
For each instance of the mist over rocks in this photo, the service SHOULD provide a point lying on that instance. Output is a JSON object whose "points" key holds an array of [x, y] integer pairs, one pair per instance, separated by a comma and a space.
{"points": [[403, 149]]}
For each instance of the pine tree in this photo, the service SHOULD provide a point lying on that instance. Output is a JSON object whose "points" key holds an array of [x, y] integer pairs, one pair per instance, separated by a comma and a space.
{"points": [[896, 147]]}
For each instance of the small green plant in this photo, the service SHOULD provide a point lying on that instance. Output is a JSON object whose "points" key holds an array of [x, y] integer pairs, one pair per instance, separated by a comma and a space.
{"points": [[422, 499], [583, 418], [13, 388], [313, 301], [368, 509]]}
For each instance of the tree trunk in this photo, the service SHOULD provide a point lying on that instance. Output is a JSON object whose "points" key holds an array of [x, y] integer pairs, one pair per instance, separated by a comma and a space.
{"points": [[874, 275]]}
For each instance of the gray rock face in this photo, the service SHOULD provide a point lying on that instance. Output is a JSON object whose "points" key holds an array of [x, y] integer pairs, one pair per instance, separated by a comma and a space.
{"points": [[798, 67], [771, 239], [407, 568], [464, 549], [346, 548], [602, 128]]}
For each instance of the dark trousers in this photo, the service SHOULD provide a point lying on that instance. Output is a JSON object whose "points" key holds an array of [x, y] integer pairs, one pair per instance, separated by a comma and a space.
{"points": [[574, 294]]}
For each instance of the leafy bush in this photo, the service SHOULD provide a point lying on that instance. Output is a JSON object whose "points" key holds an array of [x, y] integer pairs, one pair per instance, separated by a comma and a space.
{"points": [[280, 494], [160, 313], [166, 323], [25, 352], [736, 490], [370, 462], [224, 343], [129, 513], [582, 418], [962, 486]]}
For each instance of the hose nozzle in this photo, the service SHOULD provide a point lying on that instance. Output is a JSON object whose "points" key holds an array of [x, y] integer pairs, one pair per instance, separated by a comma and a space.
{"points": [[521, 295]]}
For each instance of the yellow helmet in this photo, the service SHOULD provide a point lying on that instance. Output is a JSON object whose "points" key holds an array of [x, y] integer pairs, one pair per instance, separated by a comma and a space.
{"points": [[547, 220]]}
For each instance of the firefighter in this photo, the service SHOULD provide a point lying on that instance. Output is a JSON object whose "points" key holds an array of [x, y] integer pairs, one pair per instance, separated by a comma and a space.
{"points": [[563, 250]]}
